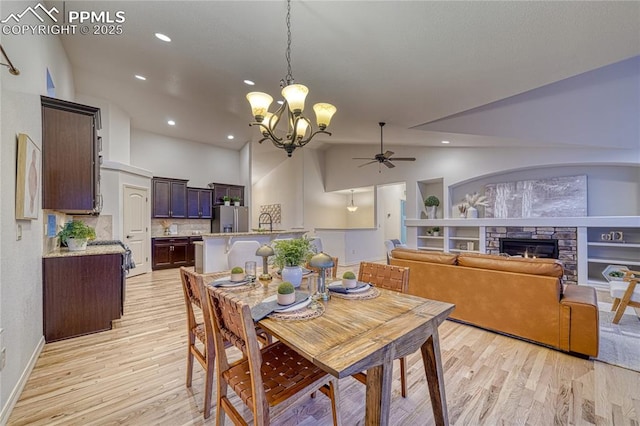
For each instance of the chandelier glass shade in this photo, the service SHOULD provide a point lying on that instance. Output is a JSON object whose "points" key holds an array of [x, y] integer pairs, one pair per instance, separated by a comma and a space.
{"points": [[352, 207], [299, 130]]}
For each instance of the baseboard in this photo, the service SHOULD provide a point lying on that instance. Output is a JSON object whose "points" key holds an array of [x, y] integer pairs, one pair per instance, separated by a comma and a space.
{"points": [[17, 390]]}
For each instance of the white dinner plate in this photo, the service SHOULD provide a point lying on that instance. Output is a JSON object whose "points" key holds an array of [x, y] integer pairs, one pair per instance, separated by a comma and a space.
{"points": [[351, 290], [295, 307], [230, 284]]}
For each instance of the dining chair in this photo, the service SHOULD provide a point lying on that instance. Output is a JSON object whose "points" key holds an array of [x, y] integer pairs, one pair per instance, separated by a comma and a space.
{"points": [[328, 272], [389, 277], [625, 293], [242, 251], [267, 380], [200, 328]]}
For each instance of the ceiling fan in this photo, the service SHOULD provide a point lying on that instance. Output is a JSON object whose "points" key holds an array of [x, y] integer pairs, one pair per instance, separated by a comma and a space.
{"points": [[385, 156]]}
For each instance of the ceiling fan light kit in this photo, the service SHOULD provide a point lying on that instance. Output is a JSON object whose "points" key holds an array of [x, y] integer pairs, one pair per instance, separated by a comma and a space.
{"points": [[299, 128], [384, 157]]}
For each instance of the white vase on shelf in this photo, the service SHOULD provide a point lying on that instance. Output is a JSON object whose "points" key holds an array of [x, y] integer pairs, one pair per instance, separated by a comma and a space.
{"points": [[431, 211], [472, 213]]}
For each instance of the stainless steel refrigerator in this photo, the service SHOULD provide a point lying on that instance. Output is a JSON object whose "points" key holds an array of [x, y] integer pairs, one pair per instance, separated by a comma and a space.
{"points": [[230, 219]]}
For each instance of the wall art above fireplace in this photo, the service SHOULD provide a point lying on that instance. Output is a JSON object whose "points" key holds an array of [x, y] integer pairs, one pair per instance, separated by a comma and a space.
{"points": [[564, 196]]}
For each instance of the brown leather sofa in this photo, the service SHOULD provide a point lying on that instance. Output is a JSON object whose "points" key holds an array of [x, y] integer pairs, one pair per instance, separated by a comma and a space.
{"points": [[516, 296]]}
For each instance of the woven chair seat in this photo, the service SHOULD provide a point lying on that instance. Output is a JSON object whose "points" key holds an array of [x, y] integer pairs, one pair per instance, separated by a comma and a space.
{"points": [[284, 373]]}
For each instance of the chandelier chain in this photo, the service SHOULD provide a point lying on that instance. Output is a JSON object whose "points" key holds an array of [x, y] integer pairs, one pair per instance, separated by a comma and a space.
{"points": [[289, 77]]}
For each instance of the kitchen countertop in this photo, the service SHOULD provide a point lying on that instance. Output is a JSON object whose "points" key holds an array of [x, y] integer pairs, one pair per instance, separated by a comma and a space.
{"points": [[91, 250], [249, 233], [176, 236]]}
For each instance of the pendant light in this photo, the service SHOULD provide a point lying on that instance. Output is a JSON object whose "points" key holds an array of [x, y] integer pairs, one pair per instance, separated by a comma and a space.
{"points": [[352, 207]]}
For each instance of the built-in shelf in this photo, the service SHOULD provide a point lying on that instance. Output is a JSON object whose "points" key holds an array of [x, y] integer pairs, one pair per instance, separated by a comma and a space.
{"points": [[614, 261], [617, 245], [430, 237], [430, 248], [465, 238]]}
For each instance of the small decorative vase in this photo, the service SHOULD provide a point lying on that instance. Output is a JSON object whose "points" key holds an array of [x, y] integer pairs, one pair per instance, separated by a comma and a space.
{"points": [[293, 274], [286, 299], [349, 283], [472, 213], [77, 244], [431, 212]]}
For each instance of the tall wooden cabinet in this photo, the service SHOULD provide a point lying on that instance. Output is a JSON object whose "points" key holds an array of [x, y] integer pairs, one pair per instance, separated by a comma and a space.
{"points": [[199, 203], [169, 198], [70, 157]]}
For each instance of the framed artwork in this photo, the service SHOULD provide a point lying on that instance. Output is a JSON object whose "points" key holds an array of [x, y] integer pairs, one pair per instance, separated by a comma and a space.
{"points": [[28, 178]]}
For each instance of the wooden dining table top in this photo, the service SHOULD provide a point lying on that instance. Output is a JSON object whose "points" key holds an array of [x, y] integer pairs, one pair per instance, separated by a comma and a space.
{"points": [[352, 335]]}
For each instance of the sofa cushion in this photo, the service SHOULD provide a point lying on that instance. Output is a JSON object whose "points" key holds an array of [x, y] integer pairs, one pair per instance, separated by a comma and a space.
{"points": [[546, 267], [424, 256]]}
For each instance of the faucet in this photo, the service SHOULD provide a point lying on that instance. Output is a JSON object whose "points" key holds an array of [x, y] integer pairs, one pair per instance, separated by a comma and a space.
{"points": [[270, 223]]}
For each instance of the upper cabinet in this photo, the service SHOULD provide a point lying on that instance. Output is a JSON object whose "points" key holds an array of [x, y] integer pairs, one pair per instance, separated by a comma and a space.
{"points": [[199, 203], [169, 198], [70, 157], [221, 190]]}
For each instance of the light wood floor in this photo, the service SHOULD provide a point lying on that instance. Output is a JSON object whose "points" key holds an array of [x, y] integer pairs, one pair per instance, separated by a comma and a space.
{"points": [[135, 374]]}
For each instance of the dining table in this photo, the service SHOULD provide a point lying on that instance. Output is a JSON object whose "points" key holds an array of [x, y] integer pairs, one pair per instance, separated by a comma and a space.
{"points": [[364, 335]]}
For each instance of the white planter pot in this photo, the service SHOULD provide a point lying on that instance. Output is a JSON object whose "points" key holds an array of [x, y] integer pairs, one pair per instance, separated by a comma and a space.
{"points": [[236, 203], [431, 212], [227, 203], [349, 283], [472, 213], [286, 299], [293, 274], [77, 244]]}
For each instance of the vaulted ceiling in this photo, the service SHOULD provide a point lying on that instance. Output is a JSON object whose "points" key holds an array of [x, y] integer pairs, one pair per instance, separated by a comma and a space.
{"points": [[404, 62]]}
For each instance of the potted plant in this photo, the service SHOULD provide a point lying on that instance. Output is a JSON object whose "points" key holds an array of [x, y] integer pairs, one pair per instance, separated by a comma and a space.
{"points": [[436, 231], [286, 293], [349, 280], [237, 274], [236, 200], [75, 235], [473, 201], [431, 203], [227, 200], [289, 255]]}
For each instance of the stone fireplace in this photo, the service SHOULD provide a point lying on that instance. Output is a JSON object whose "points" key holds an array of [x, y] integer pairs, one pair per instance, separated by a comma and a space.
{"points": [[530, 247], [567, 243]]}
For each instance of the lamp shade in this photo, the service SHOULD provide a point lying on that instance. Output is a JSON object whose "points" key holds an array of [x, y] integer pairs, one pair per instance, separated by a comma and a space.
{"points": [[322, 261], [301, 127], [265, 251], [259, 104], [295, 94], [324, 112]]}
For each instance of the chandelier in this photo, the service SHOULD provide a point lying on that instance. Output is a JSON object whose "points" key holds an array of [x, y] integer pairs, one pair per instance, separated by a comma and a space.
{"points": [[352, 207], [299, 129]]}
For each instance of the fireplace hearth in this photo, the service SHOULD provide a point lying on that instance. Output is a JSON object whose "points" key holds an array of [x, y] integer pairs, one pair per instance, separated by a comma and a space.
{"points": [[530, 247]]}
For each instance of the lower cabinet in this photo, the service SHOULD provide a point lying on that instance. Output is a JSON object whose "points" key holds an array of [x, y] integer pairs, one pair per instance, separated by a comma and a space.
{"points": [[169, 252], [81, 294]]}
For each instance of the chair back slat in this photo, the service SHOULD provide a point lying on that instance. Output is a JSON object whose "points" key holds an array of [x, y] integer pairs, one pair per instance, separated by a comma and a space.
{"points": [[389, 277]]}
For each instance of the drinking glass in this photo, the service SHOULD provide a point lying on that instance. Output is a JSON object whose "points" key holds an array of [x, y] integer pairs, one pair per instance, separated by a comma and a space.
{"points": [[250, 270], [312, 283]]}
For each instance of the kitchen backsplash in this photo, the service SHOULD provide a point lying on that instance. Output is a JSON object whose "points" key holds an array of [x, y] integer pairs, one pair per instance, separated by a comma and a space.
{"points": [[184, 226], [103, 225]]}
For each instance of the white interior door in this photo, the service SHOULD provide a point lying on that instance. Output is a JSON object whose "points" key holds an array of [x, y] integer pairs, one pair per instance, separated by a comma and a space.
{"points": [[136, 227]]}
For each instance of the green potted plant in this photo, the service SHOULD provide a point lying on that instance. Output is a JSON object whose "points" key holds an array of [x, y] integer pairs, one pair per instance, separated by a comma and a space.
{"points": [[75, 234], [236, 200], [227, 200], [431, 203], [237, 274], [290, 255], [349, 280], [436, 231], [286, 293]]}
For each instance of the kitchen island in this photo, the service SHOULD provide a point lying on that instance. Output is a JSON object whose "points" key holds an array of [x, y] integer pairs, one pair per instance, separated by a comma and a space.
{"points": [[211, 252]]}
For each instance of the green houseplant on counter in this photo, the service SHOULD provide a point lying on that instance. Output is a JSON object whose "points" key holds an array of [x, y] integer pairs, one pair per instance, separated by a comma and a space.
{"points": [[75, 235], [290, 255]]}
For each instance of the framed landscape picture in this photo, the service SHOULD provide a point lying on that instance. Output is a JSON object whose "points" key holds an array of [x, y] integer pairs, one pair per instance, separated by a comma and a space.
{"points": [[28, 178]]}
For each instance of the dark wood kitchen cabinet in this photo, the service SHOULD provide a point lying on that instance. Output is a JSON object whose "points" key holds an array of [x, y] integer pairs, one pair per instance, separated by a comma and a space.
{"points": [[169, 252], [81, 294], [222, 189], [169, 198], [199, 203], [70, 157]]}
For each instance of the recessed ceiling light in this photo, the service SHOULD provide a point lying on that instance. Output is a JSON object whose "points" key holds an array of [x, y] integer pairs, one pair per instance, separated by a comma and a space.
{"points": [[249, 83], [445, 142], [163, 37], [230, 137], [171, 123], [141, 77]]}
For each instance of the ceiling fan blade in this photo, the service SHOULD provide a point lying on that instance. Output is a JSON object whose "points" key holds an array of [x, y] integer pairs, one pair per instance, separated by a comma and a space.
{"points": [[389, 164], [403, 159], [388, 154], [362, 158], [370, 162]]}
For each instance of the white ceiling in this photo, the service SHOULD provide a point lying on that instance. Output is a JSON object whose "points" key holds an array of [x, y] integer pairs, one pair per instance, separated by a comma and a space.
{"points": [[403, 62]]}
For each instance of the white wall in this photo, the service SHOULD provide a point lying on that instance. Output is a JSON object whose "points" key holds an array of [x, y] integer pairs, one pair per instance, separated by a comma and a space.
{"points": [[21, 261], [389, 199], [183, 159], [365, 216]]}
